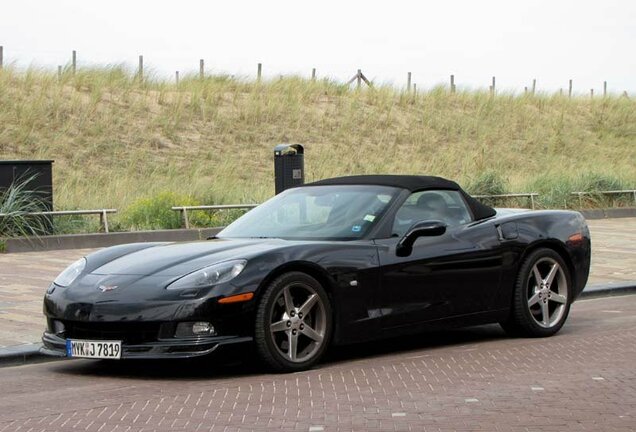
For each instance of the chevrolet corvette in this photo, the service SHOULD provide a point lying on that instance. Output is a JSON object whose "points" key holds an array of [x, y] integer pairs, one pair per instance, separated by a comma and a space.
{"points": [[338, 261]]}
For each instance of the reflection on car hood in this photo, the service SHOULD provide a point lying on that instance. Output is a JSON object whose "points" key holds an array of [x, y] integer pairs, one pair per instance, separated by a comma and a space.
{"points": [[176, 259]]}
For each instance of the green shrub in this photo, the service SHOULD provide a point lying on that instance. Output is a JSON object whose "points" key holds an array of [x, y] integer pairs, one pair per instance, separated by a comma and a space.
{"points": [[156, 212], [488, 183], [593, 182], [555, 192], [596, 182]]}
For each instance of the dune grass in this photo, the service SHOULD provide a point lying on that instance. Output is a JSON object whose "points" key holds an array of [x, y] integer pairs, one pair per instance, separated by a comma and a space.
{"points": [[116, 140]]}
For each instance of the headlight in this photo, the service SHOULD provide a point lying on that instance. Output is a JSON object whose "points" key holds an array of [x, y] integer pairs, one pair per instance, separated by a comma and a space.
{"points": [[71, 273], [212, 275]]}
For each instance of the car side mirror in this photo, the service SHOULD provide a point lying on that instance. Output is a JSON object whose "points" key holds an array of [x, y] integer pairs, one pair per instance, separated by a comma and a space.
{"points": [[419, 229]]}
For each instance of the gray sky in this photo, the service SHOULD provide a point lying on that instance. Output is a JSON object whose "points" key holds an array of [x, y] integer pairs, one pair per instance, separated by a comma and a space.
{"points": [[552, 41]]}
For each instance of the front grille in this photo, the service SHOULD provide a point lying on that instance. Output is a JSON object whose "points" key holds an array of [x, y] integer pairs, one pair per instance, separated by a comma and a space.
{"points": [[127, 332]]}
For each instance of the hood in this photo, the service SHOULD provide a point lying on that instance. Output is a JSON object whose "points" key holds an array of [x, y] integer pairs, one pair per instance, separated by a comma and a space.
{"points": [[177, 259]]}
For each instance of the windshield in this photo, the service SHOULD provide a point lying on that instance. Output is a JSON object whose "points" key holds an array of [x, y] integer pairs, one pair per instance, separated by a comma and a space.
{"points": [[315, 213]]}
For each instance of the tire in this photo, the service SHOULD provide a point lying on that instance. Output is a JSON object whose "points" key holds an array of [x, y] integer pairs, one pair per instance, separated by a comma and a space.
{"points": [[532, 299], [293, 323]]}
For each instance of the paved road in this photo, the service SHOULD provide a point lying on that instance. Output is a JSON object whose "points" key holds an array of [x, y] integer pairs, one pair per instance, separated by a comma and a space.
{"points": [[25, 276], [583, 379]]}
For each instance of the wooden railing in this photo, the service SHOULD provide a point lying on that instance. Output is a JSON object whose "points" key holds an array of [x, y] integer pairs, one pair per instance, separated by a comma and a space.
{"points": [[103, 214], [610, 192]]}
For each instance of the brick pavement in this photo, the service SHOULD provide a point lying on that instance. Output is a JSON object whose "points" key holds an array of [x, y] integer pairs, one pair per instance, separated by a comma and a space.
{"points": [[582, 379], [25, 276], [613, 250]]}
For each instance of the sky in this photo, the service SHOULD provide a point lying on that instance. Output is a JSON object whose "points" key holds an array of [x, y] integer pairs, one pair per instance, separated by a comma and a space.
{"points": [[516, 41]]}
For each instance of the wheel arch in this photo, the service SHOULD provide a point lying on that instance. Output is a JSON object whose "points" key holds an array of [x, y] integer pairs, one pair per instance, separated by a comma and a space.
{"points": [[310, 268]]}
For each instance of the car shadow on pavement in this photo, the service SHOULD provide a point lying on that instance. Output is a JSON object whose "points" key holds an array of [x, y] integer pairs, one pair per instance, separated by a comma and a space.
{"points": [[420, 343], [241, 362]]}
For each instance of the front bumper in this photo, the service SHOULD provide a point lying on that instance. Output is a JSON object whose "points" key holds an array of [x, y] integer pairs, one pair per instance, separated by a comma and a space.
{"points": [[55, 345]]}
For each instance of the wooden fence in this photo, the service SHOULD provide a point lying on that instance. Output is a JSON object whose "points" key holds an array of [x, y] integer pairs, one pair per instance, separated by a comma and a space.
{"points": [[358, 78]]}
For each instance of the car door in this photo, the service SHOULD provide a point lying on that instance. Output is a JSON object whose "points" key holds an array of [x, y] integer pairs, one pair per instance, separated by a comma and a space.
{"points": [[453, 274]]}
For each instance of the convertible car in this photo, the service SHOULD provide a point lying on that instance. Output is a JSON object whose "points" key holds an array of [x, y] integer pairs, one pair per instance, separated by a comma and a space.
{"points": [[337, 261]]}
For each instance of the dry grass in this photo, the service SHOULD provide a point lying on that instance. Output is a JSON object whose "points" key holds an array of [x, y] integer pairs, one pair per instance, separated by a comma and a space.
{"points": [[115, 140]]}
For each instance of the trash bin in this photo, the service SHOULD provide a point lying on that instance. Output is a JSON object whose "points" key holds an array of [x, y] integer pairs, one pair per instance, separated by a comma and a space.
{"points": [[289, 166], [38, 173]]}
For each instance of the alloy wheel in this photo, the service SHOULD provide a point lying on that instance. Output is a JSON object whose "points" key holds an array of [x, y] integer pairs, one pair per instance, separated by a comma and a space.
{"points": [[298, 322], [547, 291]]}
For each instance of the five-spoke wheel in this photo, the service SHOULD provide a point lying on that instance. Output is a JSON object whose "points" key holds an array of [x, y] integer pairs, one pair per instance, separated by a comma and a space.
{"points": [[293, 322], [547, 292], [541, 301]]}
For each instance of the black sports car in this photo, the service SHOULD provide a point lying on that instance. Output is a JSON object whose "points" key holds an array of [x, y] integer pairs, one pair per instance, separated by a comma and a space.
{"points": [[338, 261]]}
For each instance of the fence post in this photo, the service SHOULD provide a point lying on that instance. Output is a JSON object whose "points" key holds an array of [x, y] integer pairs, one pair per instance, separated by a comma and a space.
{"points": [[359, 77], [408, 82], [414, 89], [201, 69], [259, 71], [176, 76], [1, 56], [591, 93], [570, 89], [103, 219], [141, 68], [493, 85], [74, 62], [452, 83], [313, 74], [525, 90], [604, 88], [186, 223], [534, 86], [59, 73]]}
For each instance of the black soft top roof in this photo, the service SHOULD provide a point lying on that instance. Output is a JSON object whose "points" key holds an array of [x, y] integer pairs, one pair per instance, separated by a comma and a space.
{"points": [[412, 183]]}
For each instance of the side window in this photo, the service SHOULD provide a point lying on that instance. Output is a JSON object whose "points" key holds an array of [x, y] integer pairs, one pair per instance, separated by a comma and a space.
{"points": [[443, 205]]}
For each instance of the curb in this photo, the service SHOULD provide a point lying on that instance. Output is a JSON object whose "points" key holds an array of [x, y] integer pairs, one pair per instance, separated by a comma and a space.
{"points": [[609, 213], [22, 354], [610, 289], [30, 353]]}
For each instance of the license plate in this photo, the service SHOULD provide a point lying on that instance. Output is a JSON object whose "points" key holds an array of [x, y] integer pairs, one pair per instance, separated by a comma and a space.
{"points": [[93, 349]]}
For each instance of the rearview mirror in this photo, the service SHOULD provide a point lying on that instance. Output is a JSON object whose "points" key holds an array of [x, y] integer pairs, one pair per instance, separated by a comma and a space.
{"points": [[419, 229]]}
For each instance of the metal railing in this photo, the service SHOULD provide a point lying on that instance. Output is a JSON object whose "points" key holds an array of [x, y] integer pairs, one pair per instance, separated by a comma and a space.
{"points": [[103, 214], [610, 192], [531, 195], [184, 210]]}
